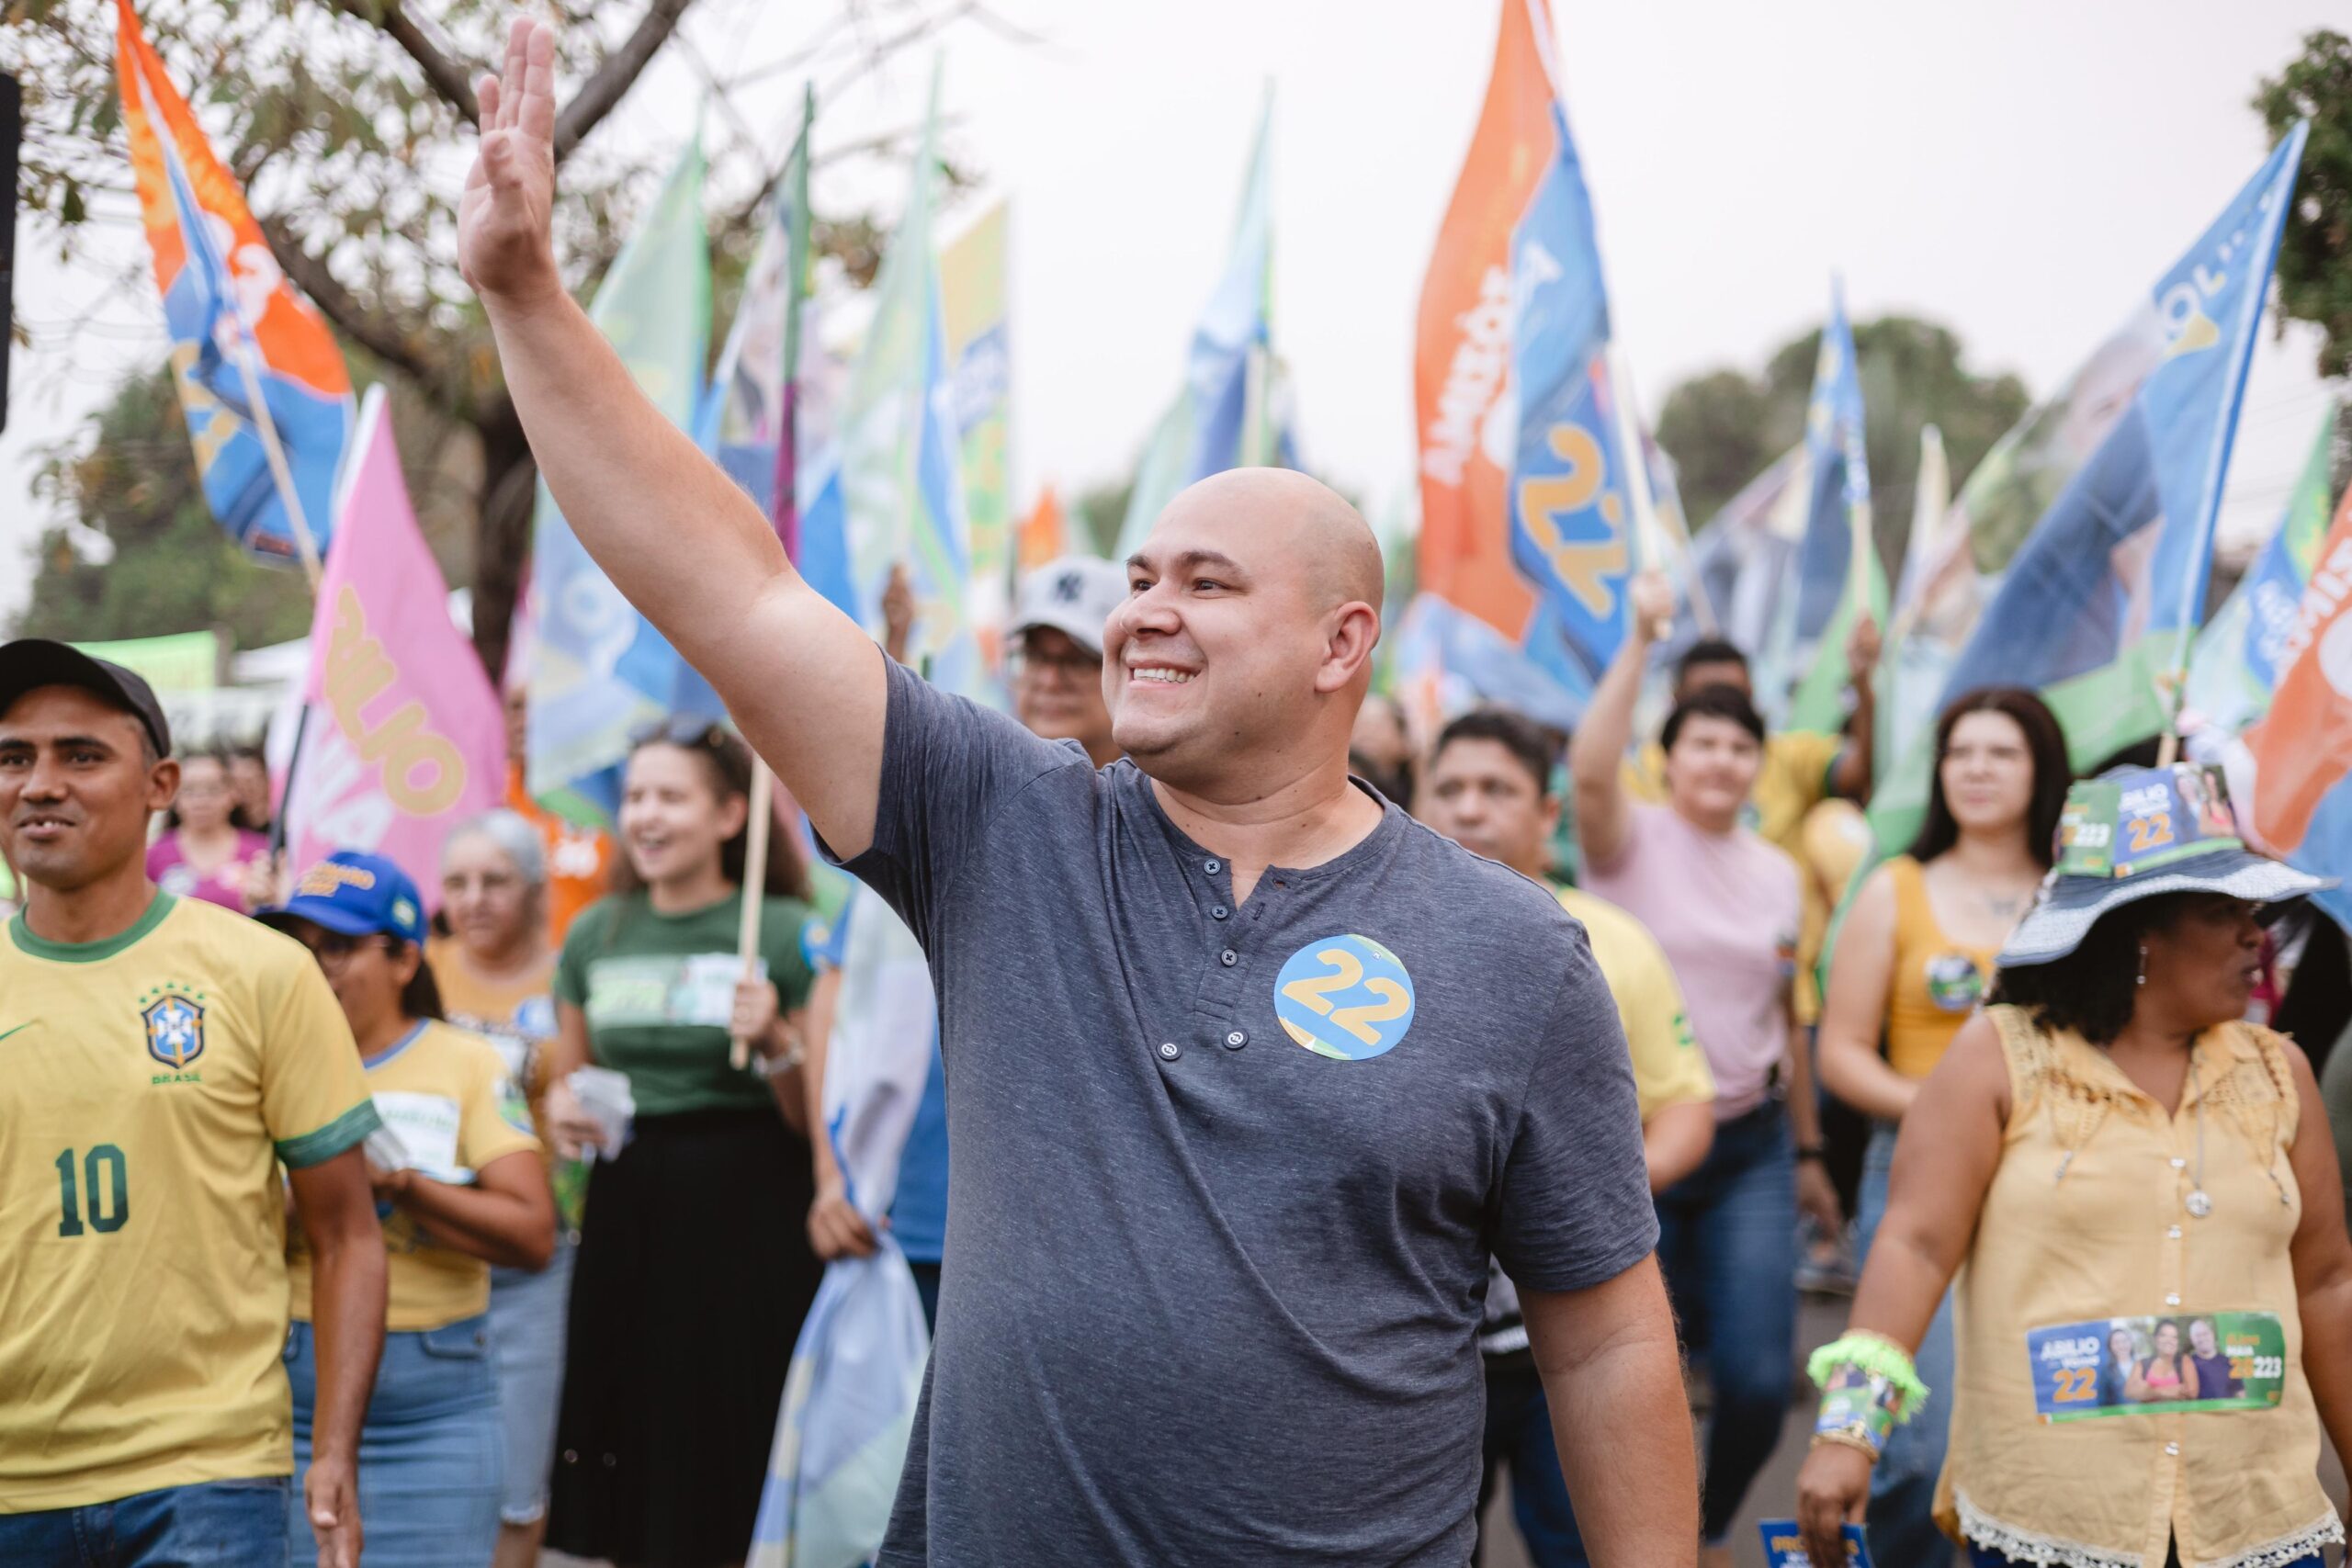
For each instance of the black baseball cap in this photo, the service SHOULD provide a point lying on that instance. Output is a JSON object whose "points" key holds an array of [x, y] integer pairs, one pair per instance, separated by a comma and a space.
{"points": [[31, 662]]}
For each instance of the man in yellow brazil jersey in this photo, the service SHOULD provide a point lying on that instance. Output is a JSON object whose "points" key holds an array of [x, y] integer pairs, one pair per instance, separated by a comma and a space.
{"points": [[1488, 788], [160, 1058]]}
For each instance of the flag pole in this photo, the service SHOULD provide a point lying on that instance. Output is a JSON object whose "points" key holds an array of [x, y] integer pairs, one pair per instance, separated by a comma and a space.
{"points": [[755, 879], [1651, 543]]}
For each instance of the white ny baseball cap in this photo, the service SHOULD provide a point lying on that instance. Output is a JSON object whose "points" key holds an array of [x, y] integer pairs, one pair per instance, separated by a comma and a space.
{"points": [[1074, 596]]}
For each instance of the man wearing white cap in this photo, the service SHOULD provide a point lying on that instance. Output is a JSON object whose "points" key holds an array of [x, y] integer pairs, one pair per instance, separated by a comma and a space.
{"points": [[1056, 665]]}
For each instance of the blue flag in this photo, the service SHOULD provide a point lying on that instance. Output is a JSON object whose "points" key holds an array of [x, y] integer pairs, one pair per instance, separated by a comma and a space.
{"points": [[2096, 607]]}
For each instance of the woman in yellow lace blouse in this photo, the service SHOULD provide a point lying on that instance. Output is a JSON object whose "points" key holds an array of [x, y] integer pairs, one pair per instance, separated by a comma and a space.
{"points": [[2111, 1159]]}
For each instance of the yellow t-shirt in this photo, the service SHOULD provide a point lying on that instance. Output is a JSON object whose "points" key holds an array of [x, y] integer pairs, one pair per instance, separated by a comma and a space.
{"points": [[1669, 1067], [443, 1091], [149, 1085], [1794, 780]]}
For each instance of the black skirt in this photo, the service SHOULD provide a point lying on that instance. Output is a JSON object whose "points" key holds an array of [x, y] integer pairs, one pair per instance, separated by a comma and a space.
{"points": [[692, 1275]]}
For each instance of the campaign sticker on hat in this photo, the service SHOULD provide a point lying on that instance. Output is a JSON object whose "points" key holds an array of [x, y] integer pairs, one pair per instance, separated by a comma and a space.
{"points": [[1344, 997]]}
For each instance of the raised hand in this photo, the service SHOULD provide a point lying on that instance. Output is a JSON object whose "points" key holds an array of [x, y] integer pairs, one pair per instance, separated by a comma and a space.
{"points": [[505, 242], [1652, 602]]}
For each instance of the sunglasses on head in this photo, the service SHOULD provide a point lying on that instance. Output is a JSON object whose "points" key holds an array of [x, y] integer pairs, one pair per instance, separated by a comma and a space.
{"points": [[678, 729]]}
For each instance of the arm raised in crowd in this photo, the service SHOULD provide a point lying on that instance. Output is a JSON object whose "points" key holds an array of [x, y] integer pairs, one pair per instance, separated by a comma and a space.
{"points": [[687, 546], [1597, 753]]}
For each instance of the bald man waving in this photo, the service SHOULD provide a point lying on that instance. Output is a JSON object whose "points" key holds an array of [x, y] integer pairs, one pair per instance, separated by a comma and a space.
{"points": [[1247, 1073]]}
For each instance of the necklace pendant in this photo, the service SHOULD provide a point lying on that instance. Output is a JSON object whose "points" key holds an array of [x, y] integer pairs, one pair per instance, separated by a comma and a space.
{"points": [[2198, 1204]]}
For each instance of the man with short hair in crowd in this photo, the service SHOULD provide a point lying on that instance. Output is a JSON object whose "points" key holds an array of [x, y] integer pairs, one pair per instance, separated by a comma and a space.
{"points": [[1056, 652], [160, 1059], [1489, 789]]}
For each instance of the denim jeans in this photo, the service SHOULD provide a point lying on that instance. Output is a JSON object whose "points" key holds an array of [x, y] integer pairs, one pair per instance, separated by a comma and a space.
{"points": [[211, 1524], [1518, 1434], [1727, 1239], [526, 1324], [432, 1464], [1902, 1524]]}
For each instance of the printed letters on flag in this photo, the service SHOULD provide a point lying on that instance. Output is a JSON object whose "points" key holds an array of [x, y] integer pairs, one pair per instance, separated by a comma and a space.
{"points": [[404, 738]]}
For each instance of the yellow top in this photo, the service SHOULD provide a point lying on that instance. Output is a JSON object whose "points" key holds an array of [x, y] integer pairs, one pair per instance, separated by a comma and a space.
{"points": [[2107, 1233], [1937, 981], [1794, 779], [149, 1087], [1669, 1067], [441, 1090]]}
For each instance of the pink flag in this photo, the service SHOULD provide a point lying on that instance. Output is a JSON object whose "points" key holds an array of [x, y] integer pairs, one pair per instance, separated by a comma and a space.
{"points": [[402, 738]]}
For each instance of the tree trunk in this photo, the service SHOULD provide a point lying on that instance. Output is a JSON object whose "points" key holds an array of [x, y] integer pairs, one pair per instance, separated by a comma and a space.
{"points": [[502, 536]]}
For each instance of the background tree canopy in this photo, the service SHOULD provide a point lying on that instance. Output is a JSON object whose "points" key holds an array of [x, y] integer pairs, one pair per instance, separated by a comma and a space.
{"points": [[350, 123], [1725, 427]]}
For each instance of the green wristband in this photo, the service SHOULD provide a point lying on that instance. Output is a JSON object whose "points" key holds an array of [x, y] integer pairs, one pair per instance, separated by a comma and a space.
{"points": [[1877, 1357]]}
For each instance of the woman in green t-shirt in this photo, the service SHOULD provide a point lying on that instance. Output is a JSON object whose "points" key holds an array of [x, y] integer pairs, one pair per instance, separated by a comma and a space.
{"points": [[692, 1270]]}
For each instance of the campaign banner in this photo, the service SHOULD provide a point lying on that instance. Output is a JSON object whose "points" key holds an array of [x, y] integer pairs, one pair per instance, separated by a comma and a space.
{"points": [[2080, 567], [404, 739], [2146, 1366], [236, 323], [1527, 526]]}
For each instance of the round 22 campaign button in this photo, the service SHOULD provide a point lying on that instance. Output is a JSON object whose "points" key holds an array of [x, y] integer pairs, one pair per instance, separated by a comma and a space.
{"points": [[1344, 997]]}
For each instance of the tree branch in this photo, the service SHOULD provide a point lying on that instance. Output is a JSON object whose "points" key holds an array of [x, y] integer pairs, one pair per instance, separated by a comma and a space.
{"points": [[611, 81], [373, 332], [448, 77]]}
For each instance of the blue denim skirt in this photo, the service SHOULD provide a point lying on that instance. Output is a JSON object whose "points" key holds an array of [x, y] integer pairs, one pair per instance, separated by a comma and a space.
{"points": [[431, 1456], [526, 1322]]}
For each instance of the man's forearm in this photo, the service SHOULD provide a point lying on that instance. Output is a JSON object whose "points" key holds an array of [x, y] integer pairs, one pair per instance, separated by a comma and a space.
{"points": [[685, 545], [348, 1315], [1853, 778], [1621, 1422]]}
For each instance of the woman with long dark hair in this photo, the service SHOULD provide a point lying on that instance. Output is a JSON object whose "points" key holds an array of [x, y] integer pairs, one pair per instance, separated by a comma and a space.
{"points": [[460, 1189], [1912, 962], [692, 1270], [2109, 1143]]}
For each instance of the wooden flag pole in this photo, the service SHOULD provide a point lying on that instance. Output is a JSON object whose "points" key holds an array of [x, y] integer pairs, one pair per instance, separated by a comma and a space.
{"points": [[755, 880]]}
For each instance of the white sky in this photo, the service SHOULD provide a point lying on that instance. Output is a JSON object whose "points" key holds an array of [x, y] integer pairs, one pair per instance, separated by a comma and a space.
{"points": [[2017, 170]]}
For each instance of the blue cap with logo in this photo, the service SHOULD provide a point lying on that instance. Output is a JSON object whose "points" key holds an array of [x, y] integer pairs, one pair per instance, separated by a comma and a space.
{"points": [[354, 895]]}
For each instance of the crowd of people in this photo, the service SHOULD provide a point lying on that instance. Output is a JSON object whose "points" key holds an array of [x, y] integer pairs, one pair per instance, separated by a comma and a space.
{"points": [[1325, 1121]]}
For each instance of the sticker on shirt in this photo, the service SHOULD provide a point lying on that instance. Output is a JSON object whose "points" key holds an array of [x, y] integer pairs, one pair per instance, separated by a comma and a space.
{"points": [[2142, 1366], [1344, 997], [1784, 1548], [1954, 983], [685, 989]]}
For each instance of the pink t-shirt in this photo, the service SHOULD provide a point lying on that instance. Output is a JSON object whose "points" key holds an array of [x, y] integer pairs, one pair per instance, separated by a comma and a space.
{"points": [[1725, 908], [169, 870]]}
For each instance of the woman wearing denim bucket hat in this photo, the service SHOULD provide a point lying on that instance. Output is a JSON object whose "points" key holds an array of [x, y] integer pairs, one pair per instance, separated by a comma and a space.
{"points": [[2108, 1154]]}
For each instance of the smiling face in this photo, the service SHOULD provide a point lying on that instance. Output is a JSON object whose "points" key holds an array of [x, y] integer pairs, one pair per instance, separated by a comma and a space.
{"points": [[2203, 961], [76, 787], [366, 975], [1987, 772], [1481, 796], [2201, 1339], [1244, 647], [490, 910], [2119, 1345], [2168, 1339], [673, 816]]}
